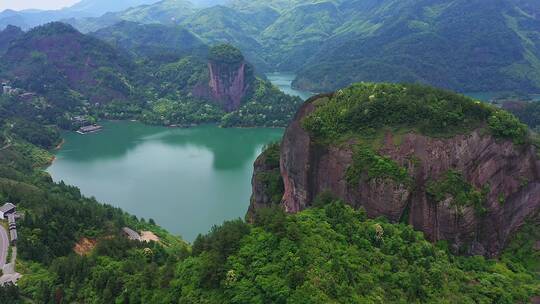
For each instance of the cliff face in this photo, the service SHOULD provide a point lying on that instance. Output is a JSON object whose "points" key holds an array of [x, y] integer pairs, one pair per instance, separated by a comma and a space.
{"points": [[230, 78], [267, 184], [510, 175], [228, 84]]}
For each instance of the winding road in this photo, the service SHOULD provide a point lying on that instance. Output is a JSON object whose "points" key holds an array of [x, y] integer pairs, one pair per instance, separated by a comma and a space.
{"points": [[9, 275], [4, 245]]}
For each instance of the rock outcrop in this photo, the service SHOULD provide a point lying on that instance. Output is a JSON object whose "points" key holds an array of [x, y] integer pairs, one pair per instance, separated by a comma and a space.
{"points": [[228, 84], [230, 78], [266, 171], [509, 173]]}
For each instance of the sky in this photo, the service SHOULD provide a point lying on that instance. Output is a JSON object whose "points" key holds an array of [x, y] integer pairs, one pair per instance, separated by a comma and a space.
{"points": [[39, 4]]}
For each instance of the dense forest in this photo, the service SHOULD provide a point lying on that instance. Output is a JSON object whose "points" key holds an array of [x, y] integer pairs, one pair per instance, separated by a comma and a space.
{"points": [[466, 46], [152, 82], [364, 108], [329, 253], [148, 63]]}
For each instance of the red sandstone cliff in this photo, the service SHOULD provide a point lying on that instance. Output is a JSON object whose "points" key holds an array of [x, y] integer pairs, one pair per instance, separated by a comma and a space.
{"points": [[512, 172], [229, 82]]}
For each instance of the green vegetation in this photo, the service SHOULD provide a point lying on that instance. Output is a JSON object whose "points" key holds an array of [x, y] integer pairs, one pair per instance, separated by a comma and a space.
{"points": [[326, 254], [365, 107], [9, 294], [527, 112], [457, 45], [267, 107], [421, 42], [331, 254], [271, 177], [368, 163], [154, 41], [165, 85], [454, 186], [181, 112], [505, 125], [225, 53]]}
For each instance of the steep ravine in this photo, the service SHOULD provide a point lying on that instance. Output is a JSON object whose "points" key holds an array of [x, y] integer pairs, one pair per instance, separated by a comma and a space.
{"points": [[507, 174]]}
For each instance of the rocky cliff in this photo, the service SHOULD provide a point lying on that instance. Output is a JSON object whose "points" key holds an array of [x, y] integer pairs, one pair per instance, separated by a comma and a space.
{"points": [[471, 189], [230, 78]]}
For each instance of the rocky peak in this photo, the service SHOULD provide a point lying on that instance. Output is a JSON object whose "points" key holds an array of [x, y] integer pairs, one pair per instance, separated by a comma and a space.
{"points": [[473, 188], [230, 78]]}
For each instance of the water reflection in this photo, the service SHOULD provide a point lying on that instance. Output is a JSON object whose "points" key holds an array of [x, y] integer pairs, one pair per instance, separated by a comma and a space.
{"points": [[185, 179], [230, 148]]}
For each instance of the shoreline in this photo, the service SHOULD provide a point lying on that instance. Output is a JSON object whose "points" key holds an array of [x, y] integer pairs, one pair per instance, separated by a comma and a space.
{"points": [[60, 145]]}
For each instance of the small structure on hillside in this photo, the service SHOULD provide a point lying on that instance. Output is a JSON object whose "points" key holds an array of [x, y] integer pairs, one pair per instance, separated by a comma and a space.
{"points": [[6, 209], [131, 234], [28, 96], [6, 89]]}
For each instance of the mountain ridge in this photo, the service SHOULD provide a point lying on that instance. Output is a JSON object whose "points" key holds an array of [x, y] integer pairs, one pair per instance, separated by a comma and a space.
{"points": [[454, 45]]}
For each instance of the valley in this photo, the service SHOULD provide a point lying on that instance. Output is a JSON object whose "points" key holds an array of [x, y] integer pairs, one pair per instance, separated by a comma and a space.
{"points": [[276, 151], [160, 173], [161, 188]]}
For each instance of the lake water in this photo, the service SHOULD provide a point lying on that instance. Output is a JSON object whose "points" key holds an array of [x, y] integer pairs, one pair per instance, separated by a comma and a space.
{"points": [[185, 179], [284, 82]]}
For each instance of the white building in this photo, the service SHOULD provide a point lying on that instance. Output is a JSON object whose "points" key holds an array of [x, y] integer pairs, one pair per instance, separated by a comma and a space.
{"points": [[8, 208], [6, 89]]}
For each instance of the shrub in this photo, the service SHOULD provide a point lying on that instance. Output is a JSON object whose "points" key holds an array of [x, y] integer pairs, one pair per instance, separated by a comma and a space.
{"points": [[374, 166], [463, 194], [364, 107]]}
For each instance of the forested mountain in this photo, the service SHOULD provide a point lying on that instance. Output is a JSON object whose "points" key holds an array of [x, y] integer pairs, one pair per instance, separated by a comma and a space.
{"points": [[155, 73], [68, 67], [378, 192], [100, 7], [168, 12], [152, 40], [7, 36], [329, 253], [462, 45]]}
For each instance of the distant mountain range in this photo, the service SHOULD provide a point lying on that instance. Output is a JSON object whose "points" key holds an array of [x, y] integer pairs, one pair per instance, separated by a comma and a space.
{"points": [[152, 40], [474, 45], [85, 8]]}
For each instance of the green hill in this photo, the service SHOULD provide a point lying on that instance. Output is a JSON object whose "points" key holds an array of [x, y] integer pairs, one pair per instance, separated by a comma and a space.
{"points": [[461, 45], [327, 254], [152, 40], [69, 68], [154, 73], [168, 12], [7, 36]]}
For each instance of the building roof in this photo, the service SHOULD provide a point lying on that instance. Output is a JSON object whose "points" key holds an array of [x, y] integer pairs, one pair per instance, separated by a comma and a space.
{"points": [[7, 207], [132, 234]]}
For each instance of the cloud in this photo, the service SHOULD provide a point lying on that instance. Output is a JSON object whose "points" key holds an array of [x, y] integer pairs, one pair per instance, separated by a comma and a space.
{"points": [[36, 4]]}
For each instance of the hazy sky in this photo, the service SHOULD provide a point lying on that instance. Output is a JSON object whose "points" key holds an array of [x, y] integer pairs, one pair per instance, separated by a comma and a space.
{"points": [[41, 4]]}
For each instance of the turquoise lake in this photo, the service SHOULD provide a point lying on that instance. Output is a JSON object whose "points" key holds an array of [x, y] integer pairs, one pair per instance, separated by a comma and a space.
{"points": [[187, 180]]}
